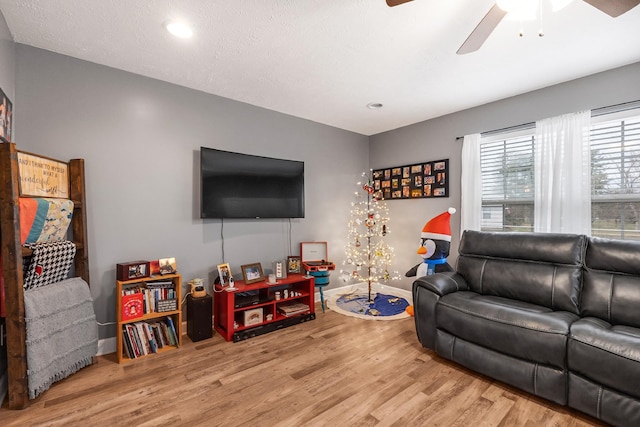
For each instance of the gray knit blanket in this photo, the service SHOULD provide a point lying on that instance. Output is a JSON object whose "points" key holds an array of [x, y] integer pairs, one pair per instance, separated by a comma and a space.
{"points": [[61, 332]]}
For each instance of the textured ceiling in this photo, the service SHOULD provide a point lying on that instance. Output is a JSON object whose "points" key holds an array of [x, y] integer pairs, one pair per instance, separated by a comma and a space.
{"points": [[325, 60]]}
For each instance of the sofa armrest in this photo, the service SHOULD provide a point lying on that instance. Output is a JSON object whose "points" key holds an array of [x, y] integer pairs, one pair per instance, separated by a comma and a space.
{"points": [[442, 283], [427, 290]]}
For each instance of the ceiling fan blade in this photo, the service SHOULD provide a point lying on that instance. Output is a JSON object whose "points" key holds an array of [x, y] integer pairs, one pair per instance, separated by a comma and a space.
{"points": [[392, 3], [482, 30], [614, 7]]}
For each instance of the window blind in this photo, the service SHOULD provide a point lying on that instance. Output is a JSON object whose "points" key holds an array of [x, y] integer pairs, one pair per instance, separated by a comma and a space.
{"points": [[507, 184], [615, 176]]}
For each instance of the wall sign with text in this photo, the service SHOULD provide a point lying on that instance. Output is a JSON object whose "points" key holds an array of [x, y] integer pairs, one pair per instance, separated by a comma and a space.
{"points": [[428, 179], [42, 177]]}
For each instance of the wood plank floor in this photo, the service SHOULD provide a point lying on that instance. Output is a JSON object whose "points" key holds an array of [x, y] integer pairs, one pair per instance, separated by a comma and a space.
{"points": [[335, 370]]}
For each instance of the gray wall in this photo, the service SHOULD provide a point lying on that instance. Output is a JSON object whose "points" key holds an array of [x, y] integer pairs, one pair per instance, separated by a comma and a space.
{"points": [[436, 139], [7, 61], [140, 139]]}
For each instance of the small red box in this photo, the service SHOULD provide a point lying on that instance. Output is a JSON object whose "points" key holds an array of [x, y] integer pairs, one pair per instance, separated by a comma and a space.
{"points": [[132, 270], [314, 256]]}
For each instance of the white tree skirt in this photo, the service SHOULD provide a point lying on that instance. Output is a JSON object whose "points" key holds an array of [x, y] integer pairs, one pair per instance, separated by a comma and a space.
{"points": [[362, 289]]}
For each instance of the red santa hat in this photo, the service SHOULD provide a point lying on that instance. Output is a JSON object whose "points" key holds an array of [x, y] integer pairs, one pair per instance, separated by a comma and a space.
{"points": [[439, 227]]}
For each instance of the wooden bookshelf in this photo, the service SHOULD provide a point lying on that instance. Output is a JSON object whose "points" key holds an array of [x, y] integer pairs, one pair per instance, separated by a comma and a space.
{"points": [[151, 315]]}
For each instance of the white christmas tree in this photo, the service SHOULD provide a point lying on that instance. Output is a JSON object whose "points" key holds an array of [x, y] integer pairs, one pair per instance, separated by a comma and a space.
{"points": [[366, 252]]}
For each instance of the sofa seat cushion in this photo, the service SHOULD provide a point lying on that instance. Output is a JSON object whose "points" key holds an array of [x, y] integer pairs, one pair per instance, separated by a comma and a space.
{"points": [[607, 354], [519, 329]]}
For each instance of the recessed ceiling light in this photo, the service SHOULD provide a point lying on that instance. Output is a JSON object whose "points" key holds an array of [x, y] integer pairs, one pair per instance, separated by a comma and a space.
{"points": [[178, 29], [374, 105]]}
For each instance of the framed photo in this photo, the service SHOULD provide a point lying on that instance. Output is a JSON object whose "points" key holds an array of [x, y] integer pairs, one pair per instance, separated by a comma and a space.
{"points": [[154, 266], [280, 269], [294, 264], [253, 316], [224, 272], [252, 273], [6, 117], [132, 270], [168, 265]]}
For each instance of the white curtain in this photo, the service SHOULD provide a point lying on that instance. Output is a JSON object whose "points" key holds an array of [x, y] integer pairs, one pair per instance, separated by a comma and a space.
{"points": [[563, 174], [471, 183]]}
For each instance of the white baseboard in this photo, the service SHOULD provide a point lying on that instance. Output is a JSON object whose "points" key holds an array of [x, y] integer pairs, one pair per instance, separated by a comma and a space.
{"points": [[106, 346]]}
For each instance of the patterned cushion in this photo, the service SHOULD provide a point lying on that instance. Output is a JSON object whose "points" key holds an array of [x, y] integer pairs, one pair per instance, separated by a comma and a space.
{"points": [[44, 220], [50, 263]]}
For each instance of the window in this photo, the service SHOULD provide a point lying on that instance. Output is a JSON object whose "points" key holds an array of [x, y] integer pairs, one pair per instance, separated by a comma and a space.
{"points": [[615, 165], [507, 182]]}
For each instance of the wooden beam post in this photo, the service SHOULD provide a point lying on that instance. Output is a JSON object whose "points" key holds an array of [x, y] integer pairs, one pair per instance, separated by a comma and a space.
{"points": [[12, 271], [79, 220]]}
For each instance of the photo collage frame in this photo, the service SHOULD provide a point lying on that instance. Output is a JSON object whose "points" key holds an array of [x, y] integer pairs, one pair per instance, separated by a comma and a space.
{"points": [[417, 181]]}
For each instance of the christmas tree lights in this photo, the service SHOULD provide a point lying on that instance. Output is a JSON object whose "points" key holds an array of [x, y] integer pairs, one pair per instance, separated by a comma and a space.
{"points": [[366, 252]]}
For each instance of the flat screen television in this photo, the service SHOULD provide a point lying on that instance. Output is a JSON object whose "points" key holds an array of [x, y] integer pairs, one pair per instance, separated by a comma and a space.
{"points": [[236, 185]]}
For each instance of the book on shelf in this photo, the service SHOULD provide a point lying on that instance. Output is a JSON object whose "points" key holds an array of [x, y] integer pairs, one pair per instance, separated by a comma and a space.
{"points": [[161, 284], [153, 328], [292, 308], [132, 306], [155, 296], [171, 331], [151, 339], [162, 335], [127, 346], [142, 338], [132, 341]]}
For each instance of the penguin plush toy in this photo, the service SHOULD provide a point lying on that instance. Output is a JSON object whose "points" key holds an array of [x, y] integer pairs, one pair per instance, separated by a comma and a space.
{"points": [[434, 246]]}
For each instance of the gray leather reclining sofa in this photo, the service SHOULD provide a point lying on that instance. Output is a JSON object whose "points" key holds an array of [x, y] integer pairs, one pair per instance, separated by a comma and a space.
{"points": [[556, 315]]}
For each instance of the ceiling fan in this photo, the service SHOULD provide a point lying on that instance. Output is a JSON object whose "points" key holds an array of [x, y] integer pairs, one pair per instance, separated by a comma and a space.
{"points": [[491, 20]]}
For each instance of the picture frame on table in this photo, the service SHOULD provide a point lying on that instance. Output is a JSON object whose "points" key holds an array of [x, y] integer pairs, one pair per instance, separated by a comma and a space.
{"points": [[294, 264], [132, 270], [224, 273], [252, 273], [280, 269], [168, 266], [154, 266]]}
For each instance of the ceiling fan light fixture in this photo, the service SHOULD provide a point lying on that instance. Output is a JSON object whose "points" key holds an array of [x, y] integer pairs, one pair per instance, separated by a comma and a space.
{"points": [[525, 8], [557, 5], [508, 5], [519, 10], [178, 29]]}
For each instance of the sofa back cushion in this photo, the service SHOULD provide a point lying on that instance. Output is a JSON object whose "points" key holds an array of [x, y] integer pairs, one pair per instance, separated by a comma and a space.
{"points": [[538, 268], [611, 288]]}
